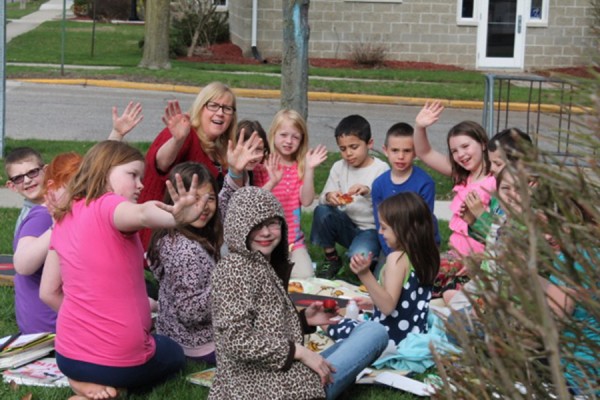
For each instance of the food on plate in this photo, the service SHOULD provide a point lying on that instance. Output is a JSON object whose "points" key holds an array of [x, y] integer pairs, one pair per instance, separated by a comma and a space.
{"points": [[363, 289], [295, 287]]}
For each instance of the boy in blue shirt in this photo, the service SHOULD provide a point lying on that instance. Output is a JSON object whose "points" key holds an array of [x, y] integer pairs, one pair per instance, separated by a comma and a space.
{"points": [[403, 175], [345, 211]]}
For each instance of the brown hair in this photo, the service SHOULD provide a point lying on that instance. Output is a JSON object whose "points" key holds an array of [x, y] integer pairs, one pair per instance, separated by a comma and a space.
{"points": [[410, 219], [476, 132], [91, 180]]}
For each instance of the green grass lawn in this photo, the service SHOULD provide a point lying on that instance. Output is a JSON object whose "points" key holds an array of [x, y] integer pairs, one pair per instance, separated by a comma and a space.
{"points": [[14, 11], [178, 388], [118, 46]]}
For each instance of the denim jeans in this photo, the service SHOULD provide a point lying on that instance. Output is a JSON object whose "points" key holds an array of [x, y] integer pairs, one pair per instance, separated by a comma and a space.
{"points": [[352, 355], [167, 360], [331, 226]]}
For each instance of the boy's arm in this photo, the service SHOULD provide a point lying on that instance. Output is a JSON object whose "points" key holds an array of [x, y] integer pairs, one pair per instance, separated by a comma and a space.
{"points": [[31, 252]]}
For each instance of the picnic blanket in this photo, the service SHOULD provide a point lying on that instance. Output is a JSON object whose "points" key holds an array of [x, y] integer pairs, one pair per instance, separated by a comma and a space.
{"points": [[7, 270]]}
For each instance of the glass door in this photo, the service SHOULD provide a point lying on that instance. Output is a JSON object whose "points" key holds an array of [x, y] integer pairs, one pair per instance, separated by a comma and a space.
{"points": [[501, 34]]}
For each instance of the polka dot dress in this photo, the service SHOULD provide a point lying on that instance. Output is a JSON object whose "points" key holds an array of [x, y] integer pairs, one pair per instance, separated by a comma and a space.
{"points": [[410, 314]]}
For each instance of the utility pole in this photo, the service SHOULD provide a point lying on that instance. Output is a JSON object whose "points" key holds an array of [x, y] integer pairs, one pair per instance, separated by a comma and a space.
{"points": [[2, 75]]}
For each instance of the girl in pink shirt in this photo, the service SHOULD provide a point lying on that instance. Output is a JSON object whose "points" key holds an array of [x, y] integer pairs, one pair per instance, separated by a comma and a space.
{"points": [[288, 138], [94, 274], [468, 164]]}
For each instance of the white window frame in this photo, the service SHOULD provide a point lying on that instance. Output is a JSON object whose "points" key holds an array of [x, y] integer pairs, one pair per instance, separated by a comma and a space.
{"points": [[543, 20], [466, 21], [222, 7], [374, 1]]}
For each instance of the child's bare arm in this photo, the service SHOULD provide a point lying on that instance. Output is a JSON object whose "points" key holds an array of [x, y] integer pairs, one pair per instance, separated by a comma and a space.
{"points": [[384, 297], [314, 158], [560, 298], [31, 252], [51, 291], [429, 114]]}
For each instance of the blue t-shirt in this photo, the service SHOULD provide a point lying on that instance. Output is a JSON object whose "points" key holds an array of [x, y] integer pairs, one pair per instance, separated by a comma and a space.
{"points": [[419, 182]]}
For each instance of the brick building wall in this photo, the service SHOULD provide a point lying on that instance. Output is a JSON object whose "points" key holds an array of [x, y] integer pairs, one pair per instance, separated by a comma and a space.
{"points": [[412, 30]]}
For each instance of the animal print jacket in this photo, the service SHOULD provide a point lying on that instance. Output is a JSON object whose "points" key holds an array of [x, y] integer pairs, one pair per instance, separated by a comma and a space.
{"points": [[255, 323]]}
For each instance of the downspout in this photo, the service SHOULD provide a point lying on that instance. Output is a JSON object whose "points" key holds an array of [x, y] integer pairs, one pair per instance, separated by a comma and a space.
{"points": [[255, 52]]}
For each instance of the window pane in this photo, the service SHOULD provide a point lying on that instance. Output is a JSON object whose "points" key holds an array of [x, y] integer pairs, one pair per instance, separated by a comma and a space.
{"points": [[467, 9], [536, 9]]}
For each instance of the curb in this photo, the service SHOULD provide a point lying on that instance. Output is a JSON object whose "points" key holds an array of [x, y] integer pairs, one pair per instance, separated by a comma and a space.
{"points": [[312, 96]]}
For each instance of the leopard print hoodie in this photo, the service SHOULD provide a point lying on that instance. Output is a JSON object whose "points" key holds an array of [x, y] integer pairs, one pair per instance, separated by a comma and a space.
{"points": [[255, 323]]}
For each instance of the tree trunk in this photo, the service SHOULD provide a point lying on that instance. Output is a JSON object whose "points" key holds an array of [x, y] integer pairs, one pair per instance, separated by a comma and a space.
{"points": [[294, 66], [156, 35]]}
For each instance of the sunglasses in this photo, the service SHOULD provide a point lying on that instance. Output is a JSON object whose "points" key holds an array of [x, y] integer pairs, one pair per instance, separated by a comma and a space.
{"points": [[18, 179]]}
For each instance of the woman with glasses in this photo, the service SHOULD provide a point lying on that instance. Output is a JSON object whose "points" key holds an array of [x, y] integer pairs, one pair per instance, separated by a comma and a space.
{"points": [[200, 135]]}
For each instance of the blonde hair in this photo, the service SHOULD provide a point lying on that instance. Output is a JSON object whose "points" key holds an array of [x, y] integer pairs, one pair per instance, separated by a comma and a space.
{"points": [[216, 150], [91, 180], [298, 122]]}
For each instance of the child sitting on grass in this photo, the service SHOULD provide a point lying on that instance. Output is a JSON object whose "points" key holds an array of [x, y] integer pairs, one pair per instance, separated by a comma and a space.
{"points": [[403, 176], [400, 294], [345, 211]]}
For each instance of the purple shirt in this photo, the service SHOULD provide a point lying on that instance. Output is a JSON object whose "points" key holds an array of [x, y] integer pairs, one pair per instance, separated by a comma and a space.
{"points": [[32, 314]]}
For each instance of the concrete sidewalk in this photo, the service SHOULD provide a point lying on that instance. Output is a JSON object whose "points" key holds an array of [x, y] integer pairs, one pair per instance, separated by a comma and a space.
{"points": [[50, 10]]}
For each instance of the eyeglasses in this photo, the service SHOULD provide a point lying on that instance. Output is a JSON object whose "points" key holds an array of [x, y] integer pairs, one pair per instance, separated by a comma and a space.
{"points": [[32, 173], [214, 107], [271, 224]]}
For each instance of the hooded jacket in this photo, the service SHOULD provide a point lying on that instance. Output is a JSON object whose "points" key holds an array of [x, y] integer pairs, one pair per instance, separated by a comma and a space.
{"points": [[256, 325]]}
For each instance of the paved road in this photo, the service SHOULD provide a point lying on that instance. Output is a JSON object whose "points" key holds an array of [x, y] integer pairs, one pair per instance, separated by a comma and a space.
{"points": [[84, 113]]}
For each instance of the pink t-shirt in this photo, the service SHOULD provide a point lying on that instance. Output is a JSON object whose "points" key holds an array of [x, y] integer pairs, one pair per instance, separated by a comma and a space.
{"points": [[287, 192], [459, 239], [105, 316]]}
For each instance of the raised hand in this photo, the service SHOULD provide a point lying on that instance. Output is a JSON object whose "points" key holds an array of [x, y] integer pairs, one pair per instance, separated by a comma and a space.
{"points": [[429, 114], [360, 264], [179, 124], [314, 157], [273, 166], [243, 152], [186, 207]]}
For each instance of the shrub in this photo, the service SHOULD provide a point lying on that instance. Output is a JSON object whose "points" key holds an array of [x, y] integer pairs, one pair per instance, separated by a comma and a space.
{"points": [[110, 9], [368, 54], [195, 24]]}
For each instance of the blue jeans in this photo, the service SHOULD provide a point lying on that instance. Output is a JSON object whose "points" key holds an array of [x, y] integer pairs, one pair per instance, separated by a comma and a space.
{"points": [[352, 355], [167, 360], [331, 226]]}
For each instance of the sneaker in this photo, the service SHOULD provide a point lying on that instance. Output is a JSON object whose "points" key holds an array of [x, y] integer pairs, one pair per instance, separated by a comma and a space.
{"points": [[330, 268]]}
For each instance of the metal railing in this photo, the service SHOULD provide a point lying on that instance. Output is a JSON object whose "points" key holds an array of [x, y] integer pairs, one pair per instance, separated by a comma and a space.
{"points": [[548, 114]]}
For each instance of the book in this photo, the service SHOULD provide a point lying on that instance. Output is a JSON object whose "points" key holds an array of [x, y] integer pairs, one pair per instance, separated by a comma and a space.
{"points": [[25, 342], [42, 372], [18, 350], [202, 378]]}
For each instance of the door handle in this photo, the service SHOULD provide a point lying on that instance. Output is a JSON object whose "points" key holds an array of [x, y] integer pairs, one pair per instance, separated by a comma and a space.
{"points": [[519, 19]]}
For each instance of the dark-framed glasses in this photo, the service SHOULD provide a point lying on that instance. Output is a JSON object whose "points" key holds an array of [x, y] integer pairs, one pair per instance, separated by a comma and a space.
{"points": [[32, 173], [273, 224], [214, 107]]}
